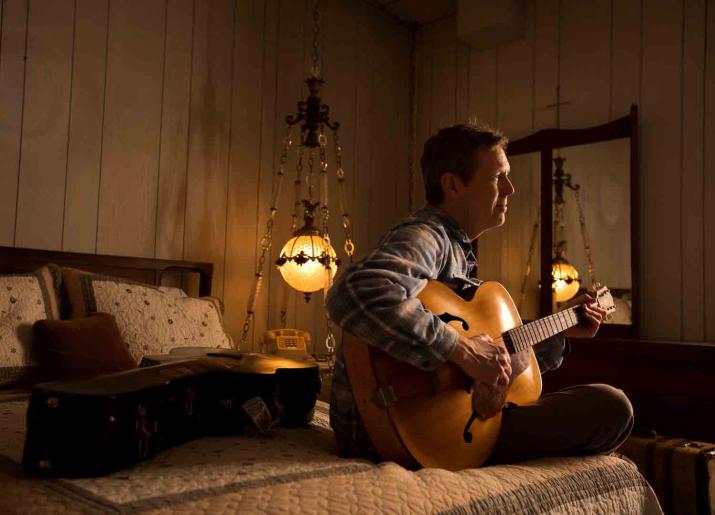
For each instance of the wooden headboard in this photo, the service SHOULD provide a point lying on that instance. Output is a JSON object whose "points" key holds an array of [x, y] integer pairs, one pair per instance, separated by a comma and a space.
{"points": [[145, 270]]}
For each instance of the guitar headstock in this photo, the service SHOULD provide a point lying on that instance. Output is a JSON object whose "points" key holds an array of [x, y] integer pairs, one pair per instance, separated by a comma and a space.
{"points": [[605, 300]]}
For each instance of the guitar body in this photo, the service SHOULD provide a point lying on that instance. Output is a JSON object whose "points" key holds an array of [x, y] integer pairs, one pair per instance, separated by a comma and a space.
{"points": [[418, 418]]}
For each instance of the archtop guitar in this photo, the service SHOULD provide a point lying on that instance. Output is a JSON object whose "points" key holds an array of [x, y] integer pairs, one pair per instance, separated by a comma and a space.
{"points": [[425, 419]]}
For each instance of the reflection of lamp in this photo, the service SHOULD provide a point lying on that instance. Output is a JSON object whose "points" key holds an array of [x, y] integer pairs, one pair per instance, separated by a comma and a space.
{"points": [[565, 281], [307, 261]]}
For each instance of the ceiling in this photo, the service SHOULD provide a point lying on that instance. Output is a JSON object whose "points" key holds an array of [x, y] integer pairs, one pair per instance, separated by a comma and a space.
{"points": [[418, 11]]}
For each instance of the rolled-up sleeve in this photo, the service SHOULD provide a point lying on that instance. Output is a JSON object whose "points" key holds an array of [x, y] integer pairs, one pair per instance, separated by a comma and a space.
{"points": [[376, 298]]}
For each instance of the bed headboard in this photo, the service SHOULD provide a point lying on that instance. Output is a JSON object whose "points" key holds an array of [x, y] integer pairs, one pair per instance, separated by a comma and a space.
{"points": [[145, 270]]}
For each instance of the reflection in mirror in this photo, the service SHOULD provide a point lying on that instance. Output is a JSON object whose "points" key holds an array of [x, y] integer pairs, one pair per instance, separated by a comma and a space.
{"points": [[602, 170], [503, 251]]}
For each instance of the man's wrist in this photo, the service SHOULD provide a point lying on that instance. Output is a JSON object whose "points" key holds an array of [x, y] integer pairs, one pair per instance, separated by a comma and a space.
{"points": [[460, 354]]}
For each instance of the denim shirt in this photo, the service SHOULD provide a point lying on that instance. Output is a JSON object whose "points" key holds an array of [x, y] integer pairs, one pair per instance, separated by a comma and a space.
{"points": [[375, 299]]}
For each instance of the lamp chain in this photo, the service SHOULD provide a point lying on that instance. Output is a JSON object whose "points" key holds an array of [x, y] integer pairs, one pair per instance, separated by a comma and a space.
{"points": [[329, 336], [323, 140], [527, 271], [309, 175], [584, 235], [315, 70], [298, 190], [349, 246], [267, 239]]}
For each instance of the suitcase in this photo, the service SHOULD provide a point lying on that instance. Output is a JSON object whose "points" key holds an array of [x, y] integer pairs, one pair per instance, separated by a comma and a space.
{"points": [[95, 426], [681, 472]]}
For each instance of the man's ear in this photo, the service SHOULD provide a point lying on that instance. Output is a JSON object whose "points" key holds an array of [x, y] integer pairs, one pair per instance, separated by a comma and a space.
{"points": [[451, 184]]}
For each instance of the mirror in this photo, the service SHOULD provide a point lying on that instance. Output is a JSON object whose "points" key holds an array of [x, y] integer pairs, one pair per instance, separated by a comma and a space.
{"points": [[603, 162]]}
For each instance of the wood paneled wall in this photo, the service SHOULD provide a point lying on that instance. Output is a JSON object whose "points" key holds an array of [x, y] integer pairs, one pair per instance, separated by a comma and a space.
{"points": [[607, 55], [154, 129]]}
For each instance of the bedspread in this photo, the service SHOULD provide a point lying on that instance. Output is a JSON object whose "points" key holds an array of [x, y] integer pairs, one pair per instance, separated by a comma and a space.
{"points": [[297, 471]]}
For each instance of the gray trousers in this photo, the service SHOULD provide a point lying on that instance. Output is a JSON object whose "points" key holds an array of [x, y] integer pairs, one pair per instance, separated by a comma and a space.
{"points": [[584, 419]]}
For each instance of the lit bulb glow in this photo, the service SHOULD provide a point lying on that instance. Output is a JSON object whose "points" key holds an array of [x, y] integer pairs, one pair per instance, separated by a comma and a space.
{"points": [[300, 271], [565, 280]]}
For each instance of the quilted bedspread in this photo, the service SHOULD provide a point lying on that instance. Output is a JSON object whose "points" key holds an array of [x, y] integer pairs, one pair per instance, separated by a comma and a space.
{"points": [[297, 471]]}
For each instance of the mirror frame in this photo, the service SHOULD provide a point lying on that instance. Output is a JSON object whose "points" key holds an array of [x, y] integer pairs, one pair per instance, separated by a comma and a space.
{"points": [[544, 142]]}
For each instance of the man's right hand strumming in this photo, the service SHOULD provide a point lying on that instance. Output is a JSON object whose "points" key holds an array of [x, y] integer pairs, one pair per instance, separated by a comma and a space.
{"points": [[489, 365]]}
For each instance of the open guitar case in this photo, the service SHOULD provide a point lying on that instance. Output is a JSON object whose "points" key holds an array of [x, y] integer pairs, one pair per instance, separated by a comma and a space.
{"points": [[94, 426]]}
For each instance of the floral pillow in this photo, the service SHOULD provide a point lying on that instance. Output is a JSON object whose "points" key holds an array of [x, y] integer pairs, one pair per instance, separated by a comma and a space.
{"points": [[24, 299], [151, 321]]}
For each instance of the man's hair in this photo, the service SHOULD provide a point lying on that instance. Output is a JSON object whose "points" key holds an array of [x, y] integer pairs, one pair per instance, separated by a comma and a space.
{"points": [[454, 149]]}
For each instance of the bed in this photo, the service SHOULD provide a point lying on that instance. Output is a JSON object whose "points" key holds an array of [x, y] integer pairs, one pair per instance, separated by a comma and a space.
{"points": [[293, 470]]}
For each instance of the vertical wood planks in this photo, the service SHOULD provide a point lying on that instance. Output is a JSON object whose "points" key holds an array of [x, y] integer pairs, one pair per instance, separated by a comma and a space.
{"points": [[546, 53], [12, 95], [361, 141], [79, 227], [693, 95], [585, 63], [625, 84], [483, 86], [389, 150], [339, 70], [267, 165], [171, 193], [209, 130], [462, 88], [444, 73], [503, 247], [290, 89], [709, 176], [660, 178], [514, 81], [132, 119], [43, 161], [244, 161], [304, 312], [423, 98], [381, 185]]}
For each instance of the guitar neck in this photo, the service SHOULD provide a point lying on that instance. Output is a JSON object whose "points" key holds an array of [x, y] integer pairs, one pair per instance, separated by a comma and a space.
{"points": [[528, 335]]}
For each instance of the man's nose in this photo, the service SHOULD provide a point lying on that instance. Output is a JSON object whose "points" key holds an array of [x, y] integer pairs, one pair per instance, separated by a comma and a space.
{"points": [[507, 187]]}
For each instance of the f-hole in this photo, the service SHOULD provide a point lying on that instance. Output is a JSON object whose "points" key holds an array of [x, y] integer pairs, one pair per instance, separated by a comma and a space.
{"points": [[448, 317]]}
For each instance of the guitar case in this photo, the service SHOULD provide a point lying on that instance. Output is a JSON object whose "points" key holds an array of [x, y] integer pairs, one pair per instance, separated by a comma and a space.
{"points": [[681, 471], [94, 426]]}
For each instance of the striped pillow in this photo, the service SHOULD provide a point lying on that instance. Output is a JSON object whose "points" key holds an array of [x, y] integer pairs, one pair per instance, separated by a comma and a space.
{"points": [[150, 320]]}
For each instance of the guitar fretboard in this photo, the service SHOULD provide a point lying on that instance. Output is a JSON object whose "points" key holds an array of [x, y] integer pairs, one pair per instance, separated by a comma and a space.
{"points": [[530, 334]]}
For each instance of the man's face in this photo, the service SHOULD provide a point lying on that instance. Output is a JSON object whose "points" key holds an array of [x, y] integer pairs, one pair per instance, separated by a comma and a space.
{"points": [[481, 204]]}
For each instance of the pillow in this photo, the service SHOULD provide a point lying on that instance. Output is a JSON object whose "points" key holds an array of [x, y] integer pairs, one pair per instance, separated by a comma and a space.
{"points": [[173, 291], [149, 320], [24, 299], [66, 349]]}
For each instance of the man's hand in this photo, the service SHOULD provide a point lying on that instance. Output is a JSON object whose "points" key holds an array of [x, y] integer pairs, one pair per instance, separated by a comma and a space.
{"points": [[592, 315], [488, 400], [482, 360], [489, 366]]}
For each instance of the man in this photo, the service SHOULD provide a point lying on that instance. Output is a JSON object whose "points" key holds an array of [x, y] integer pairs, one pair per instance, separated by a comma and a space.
{"points": [[467, 185]]}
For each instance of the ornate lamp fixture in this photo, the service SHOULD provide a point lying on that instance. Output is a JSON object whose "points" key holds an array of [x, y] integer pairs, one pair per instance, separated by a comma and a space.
{"points": [[307, 261]]}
